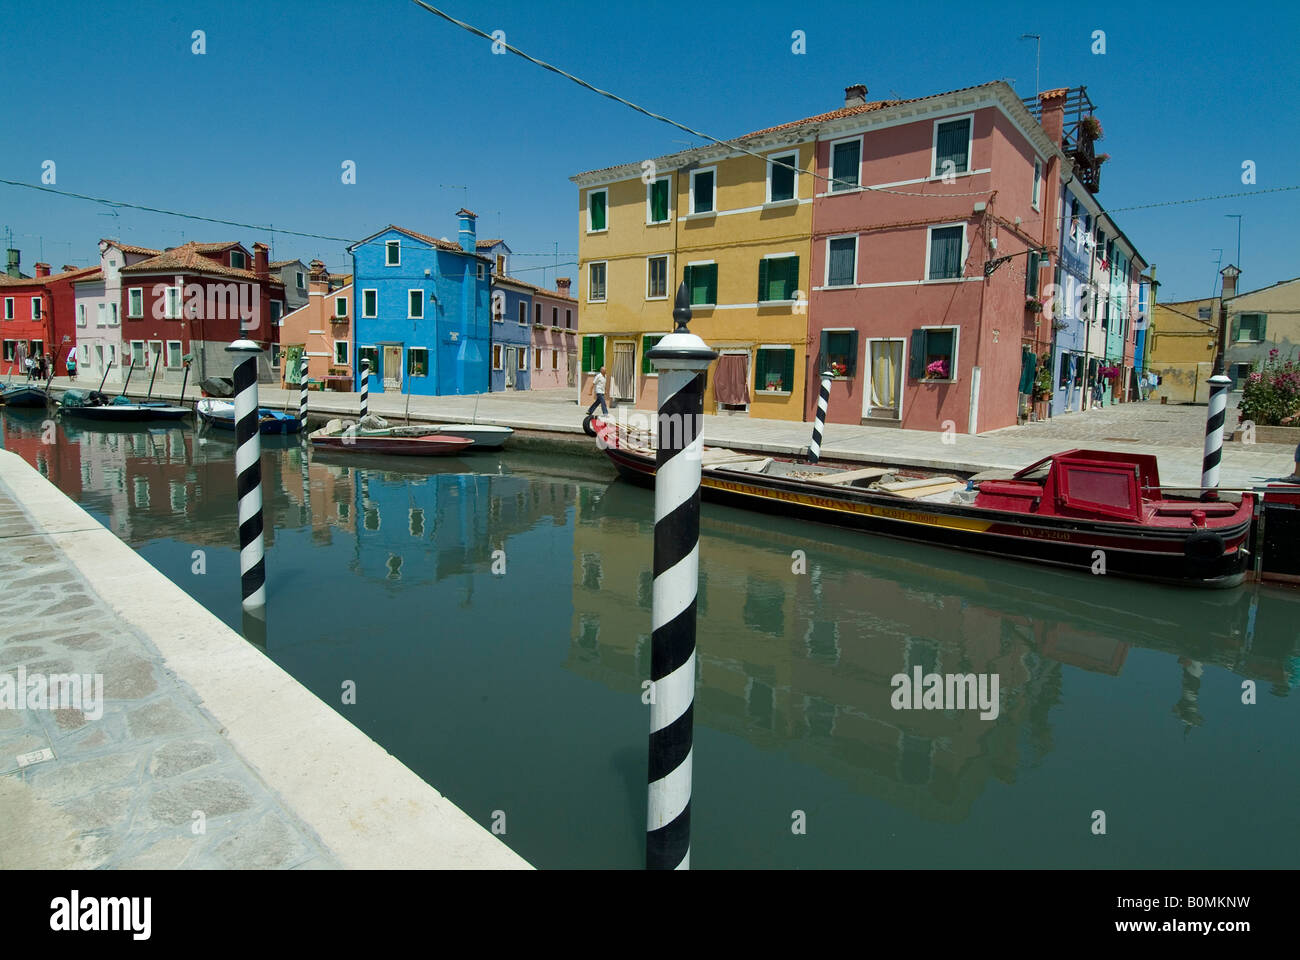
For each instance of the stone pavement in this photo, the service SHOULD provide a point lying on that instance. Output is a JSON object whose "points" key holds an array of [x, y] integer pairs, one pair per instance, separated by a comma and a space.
{"points": [[1175, 432], [207, 731]]}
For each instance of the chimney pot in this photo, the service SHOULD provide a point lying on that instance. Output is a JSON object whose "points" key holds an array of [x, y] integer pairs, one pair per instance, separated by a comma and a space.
{"points": [[261, 263], [12, 266], [468, 237], [562, 284], [855, 95], [42, 269], [501, 264], [1230, 274]]}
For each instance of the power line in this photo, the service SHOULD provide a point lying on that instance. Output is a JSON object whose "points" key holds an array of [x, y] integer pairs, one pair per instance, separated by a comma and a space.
{"points": [[730, 144], [1221, 196]]}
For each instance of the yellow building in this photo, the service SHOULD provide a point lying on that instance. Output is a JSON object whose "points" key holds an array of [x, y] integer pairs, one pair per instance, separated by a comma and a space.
{"points": [[1183, 337], [737, 229]]}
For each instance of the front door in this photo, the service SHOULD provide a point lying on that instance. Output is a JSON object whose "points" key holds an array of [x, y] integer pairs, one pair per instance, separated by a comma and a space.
{"points": [[392, 367], [571, 367], [883, 398], [512, 360], [622, 379]]}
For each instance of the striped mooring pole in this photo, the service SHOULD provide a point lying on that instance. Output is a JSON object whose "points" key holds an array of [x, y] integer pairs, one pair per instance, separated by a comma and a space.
{"points": [[365, 388], [302, 395], [680, 357], [1215, 415], [248, 476], [819, 425]]}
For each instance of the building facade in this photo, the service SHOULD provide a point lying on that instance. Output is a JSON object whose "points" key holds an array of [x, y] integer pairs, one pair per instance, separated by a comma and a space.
{"points": [[37, 315], [512, 310], [1181, 341], [98, 299], [1260, 322], [555, 338], [323, 330]]}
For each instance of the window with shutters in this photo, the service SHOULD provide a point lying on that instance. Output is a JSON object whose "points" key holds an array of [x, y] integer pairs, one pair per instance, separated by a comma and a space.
{"points": [[537, 358], [774, 370], [392, 253], [593, 353], [597, 210], [839, 352], [415, 304], [555, 316], [781, 177], [778, 278], [369, 303], [1250, 328], [368, 357], [647, 344], [595, 282], [36, 308], [841, 261], [934, 354], [135, 303], [656, 272], [702, 282], [1033, 268], [703, 184], [657, 208], [846, 164], [952, 147], [946, 252], [417, 362]]}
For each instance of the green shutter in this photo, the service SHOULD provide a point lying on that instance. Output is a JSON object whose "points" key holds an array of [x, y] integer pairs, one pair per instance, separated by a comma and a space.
{"points": [[760, 369], [586, 354], [787, 370], [1236, 329], [647, 344], [713, 284], [597, 203], [764, 271], [599, 352], [1262, 326], [791, 278], [659, 201], [1031, 273], [916, 362]]}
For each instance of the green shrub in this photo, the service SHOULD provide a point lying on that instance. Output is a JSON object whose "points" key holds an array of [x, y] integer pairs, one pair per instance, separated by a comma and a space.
{"points": [[1272, 393]]}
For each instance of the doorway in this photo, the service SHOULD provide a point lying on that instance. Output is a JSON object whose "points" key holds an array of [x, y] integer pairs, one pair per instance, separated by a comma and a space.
{"points": [[883, 398], [512, 361], [731, 382], [392, 367], [622, 377]]}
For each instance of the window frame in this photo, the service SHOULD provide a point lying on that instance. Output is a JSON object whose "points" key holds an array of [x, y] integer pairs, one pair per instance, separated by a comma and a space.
{"points": [[132, 344], [649, 261], [784, 255], [834, 186], [243, 256], [410, 356], [537, 358], [38, 304], [713, 199], [167, 355], [591, 193], [521, 315], [788, 389], [135, 303], [716, 284], [389, 247], [956, 346], [929, 240], [521, 361], [373, 314], [858, 341], [826, 282], [346, 345], [409, 301], [337, 301], [604, 281], [167, 303], [666, 178], [498, 355], [772, 159], [970, 145], [9, 308]]}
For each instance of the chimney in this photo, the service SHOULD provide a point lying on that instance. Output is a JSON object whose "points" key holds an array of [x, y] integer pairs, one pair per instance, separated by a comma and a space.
{"points": [[856, 95], [562, 285], [260, 260], [42, 269], [1052, 113], [318, 280], [1230, 273], [66, 267], [317, 270], [468, 238], [12, 268], [501, 264]]}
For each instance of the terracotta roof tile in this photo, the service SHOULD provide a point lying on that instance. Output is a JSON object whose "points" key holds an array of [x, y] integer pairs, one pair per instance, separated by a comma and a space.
{"points": [[132, 248], [1058, 92], [483, 244], [275, 265], [8, 281], [189, 258]]}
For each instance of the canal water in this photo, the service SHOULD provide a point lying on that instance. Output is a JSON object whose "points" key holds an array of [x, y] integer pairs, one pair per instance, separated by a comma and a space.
{"points": [[493, 613]]}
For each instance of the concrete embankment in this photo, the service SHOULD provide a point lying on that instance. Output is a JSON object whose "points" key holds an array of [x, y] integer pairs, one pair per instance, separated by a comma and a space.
{"points": [[202, 752]]}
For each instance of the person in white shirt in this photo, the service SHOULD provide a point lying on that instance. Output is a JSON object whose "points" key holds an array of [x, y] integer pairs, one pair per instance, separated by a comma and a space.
{"points": [[599, 385]]}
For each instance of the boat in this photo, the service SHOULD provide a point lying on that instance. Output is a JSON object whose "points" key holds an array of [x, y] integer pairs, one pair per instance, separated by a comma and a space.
{"points": [[96, 406], [23, 395], [345, 435], [485, 436], [1095, 511], [221, 414]]}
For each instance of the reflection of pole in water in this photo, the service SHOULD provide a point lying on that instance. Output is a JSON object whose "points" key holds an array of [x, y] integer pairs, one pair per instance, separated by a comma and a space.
{"points": [[255, 627], [1188, 707]]}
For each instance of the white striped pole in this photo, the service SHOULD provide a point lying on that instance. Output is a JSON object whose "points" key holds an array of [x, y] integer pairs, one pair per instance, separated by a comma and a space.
{"points": [[248, 476], [819, 425], [1215, 415], [680, 358], [302, 395], [365, 388]]}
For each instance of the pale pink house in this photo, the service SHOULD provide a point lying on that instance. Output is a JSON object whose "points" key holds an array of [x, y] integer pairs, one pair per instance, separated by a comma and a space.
{"points": [[555, 338]]}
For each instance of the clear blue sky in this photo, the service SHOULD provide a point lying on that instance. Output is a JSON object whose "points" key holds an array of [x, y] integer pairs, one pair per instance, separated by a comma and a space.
{"points": [[256, 129]]}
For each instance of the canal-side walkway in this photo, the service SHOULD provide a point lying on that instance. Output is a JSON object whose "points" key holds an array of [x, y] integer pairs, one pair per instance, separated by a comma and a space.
{"points": [[202, 753], [1175, 433]]}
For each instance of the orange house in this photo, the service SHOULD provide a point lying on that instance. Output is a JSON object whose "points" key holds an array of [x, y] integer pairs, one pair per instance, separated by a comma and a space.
{"points": [[323, 329]]}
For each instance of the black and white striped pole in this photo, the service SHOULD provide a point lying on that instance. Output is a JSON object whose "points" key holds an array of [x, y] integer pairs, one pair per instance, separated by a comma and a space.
{"points": [[365, 388], [302, 395], [1215, 415], [819, 424], [680, 358], [248, 476]]}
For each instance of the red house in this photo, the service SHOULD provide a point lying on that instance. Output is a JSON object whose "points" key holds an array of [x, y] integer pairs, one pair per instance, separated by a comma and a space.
{"points": [[38, 315], [196, 299]]}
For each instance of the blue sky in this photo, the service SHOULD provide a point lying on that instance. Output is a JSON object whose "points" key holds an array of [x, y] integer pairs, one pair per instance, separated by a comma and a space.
{"points": [[256, 129]]}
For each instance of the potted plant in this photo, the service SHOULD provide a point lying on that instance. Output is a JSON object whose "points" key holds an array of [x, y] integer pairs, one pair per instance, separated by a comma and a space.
{"points": [[937, 369], [1033, 304], [839, 368], [1091, 127]]}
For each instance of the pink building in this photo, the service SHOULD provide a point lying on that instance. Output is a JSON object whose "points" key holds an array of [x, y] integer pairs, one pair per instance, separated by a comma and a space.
{"points": [[930, 246], [555, 338], [322, 329]]}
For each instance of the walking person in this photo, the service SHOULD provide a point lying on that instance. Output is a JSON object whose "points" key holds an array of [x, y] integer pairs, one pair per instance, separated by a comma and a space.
{"points": [[1098, 392], [1295, 473], [599, 385], [71, 364]]}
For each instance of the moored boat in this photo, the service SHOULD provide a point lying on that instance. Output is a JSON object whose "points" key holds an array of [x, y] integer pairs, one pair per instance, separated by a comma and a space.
{"points": [[1090, 510], [23, 395], [95, 406], [344, 435], [221, 415], [485, 436]]}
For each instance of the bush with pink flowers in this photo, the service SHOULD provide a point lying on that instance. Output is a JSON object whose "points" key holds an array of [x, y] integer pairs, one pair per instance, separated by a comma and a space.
{"points": [[1273, 392]]}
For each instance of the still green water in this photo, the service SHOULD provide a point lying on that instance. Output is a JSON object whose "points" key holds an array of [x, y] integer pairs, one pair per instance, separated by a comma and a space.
{"points": [[511, 680]]}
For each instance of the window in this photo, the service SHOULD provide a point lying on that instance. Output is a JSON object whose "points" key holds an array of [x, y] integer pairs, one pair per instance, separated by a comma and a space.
{"points": [[415, 304], [846, 164], [277, 311], [593, 353], [555, 316], [656, 200], [781, 181], [555, 359], [302, 281], [1034, 261], [1038, 181], [481, 268], [369, 303], [702, 282], [238, 260], [341, 352], [417, 362], [702, 184], [36, 308], [81, 314], [1203, 313], [496, 356], [596, 282], [112, 311], [369, 356], [952, 146], [393, 253], [173, 354], [137, 352], [841, 261], [522, 313], [647, 344], [774, 369], [568, 319], [537, 358], [35, 348], [934, 354], [1250, 327], [597, 210], [537, 314], [172, 303], [135, 303], [778, 278], [656, 278], [9, 308], [10, 350], [340, 306], [521, 358], [839, 352], [946, 251]]}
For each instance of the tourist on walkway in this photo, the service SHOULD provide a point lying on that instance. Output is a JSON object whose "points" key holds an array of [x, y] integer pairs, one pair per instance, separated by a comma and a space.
{"points": [[71, 364], [599, 386], [1098, 393]]}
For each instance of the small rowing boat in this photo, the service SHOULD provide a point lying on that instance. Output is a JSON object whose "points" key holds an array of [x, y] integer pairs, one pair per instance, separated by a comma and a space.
{"points": [[23, 395], [345, 435], [95, 406], [221, 415]]}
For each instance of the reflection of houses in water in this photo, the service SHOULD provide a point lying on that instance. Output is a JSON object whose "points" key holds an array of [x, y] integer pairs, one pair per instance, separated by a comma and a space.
{"points": [[326, 500], [25, 433], [804, 662]]}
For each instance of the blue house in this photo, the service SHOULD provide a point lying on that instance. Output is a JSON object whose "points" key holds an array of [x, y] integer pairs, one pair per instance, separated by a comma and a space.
{"points": [[422, 311], [512, 334], [1071, 302]]}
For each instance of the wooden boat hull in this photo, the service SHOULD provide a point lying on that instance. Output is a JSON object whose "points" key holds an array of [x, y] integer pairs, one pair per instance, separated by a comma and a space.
{"points": [[428, 446], [484, 436], [127, 412], [1164, 555], [23, 397]]}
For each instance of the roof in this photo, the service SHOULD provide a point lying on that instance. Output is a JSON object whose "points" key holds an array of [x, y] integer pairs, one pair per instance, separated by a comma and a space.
{"points": [[484, 244], [96, 274], [189, 258], [276, 265], [75, 275], [552, 294], [432, 241], [214, 247], [132, 248]]}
